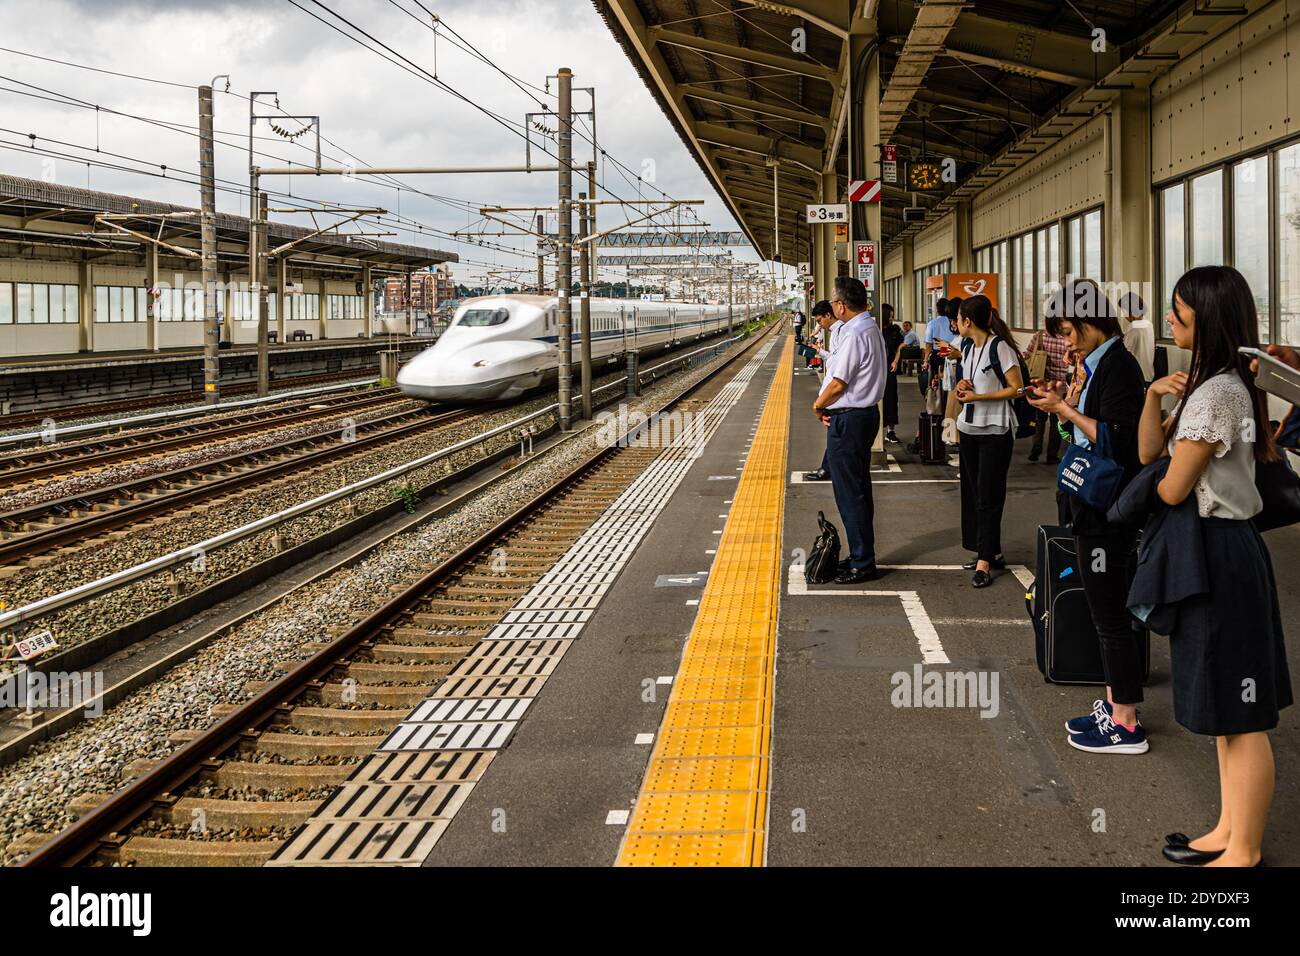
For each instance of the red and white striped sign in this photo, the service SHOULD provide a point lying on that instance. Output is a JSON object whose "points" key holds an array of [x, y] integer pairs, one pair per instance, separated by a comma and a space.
{"points": [[864, 190]]}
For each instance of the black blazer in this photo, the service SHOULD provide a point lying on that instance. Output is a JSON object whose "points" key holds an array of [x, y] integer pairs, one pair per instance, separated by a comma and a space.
{"points": [[1115, 397]]}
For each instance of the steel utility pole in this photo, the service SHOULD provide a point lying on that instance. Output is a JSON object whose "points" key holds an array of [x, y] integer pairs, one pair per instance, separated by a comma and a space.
{"points": [[208, 233], [585, 217], [731, 303], [262, 305], [564, 267], [593, 247], [541, 254]]}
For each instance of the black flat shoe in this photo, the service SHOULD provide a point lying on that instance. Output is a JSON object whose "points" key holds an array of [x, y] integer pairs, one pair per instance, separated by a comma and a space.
{"points": [[856, 575], [997, 564], [817, 475], [1184, 854], [1177, 839], [981, 579]]}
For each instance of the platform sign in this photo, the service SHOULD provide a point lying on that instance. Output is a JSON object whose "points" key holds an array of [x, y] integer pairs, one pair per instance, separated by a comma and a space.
{"points": [[828, 212], [864, 257], [42, 642], [864, 190], [805, 269]]}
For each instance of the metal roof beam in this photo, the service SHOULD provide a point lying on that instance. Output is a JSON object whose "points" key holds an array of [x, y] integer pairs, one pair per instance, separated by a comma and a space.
{"points": [[703, 45], [726, 138], [1026, 51], [695, 91], [827, 14]]}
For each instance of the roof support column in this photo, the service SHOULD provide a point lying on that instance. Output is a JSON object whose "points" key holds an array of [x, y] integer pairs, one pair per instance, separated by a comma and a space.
{"points": [[826, 236], [963, 251], [909, 308], [322, 306], [86, 287], [1126, 221], [368, 294], [864, 131]]}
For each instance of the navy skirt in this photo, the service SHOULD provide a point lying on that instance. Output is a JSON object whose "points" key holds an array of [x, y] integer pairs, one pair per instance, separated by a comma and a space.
{"points": [[1229, 664]]}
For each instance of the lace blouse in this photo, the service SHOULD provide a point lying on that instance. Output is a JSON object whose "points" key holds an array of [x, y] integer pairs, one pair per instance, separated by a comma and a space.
{"points": [[1219, 411]]}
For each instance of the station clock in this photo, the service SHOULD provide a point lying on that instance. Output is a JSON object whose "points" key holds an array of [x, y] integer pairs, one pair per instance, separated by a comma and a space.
{"points": [[924, 176]]}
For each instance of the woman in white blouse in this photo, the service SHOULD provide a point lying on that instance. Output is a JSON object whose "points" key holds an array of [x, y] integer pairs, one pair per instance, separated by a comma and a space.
{"points": [[1230, 673], [991, 369]]}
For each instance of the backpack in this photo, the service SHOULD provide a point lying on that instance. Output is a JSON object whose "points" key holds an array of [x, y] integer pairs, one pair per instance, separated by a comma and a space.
{"points": [[824, 559], [1020, 405]]}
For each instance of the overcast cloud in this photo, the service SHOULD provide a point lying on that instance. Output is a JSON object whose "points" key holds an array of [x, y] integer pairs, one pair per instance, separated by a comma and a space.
{"points": [[376, 110]]}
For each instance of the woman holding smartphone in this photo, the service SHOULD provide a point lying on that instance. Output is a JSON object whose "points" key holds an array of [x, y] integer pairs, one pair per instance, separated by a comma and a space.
{"points": [[1112, 396], [1230, 672]]}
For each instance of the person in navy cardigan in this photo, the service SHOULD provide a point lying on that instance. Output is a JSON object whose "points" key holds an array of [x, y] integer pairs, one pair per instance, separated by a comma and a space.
{"points": [[1113, 395]]}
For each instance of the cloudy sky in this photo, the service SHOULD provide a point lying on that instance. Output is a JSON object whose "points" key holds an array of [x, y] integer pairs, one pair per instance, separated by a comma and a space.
{"points": [[379, 112]]}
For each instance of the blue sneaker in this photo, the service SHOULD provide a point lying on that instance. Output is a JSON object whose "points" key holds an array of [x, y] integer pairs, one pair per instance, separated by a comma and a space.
{"points": [[1081, 725], [1109, 737]]}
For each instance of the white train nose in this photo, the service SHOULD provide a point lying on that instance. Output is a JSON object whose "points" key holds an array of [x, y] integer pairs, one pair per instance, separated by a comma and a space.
{"points": [[481, 371]]}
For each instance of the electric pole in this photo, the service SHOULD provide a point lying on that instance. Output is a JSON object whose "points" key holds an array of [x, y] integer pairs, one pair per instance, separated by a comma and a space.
{"points": [[541, 255], [208, 236], [564, 268], [584, 319], [260, 289]]}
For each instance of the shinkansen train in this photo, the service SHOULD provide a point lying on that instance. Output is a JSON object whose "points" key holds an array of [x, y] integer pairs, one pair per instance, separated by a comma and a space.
{"points": [[502, 346]]}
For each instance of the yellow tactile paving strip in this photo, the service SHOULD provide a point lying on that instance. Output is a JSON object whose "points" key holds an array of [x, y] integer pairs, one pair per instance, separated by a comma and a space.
{"points": [[703, 801]]}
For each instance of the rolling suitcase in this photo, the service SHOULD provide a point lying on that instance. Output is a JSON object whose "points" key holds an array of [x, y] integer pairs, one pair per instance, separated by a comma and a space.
{"points": [[1066, 645], [933, 449]]}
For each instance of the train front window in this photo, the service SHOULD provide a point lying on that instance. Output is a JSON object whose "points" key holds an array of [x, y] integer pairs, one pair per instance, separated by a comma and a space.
{"points": [[480, 318]]}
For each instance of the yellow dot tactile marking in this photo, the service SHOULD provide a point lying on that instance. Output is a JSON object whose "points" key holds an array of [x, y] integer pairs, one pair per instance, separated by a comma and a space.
{"points": [[703, 801]]}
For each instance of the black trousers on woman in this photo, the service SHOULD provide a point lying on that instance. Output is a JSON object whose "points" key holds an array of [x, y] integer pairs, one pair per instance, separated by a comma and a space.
{"points": [[985, 460], [891, 400], [1104, 562]]}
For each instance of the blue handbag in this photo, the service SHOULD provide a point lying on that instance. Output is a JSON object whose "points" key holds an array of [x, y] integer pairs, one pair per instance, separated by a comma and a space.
{"points": [[1091, 475]]}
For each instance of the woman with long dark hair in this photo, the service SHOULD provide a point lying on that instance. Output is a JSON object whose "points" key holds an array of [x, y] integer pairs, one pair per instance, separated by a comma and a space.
{"points": [[893, 349], [987, 424], [1230, 673], [1111, 398]]}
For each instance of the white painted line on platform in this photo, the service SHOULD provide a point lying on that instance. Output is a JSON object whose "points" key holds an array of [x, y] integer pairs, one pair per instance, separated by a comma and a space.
{"points": [[977, 621], [711, 551], [643, 740], [617, 818], [927, 638], [665, 679]]}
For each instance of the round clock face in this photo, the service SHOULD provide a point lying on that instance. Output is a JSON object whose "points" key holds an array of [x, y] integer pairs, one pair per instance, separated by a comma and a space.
{"points": [[924, 176]]}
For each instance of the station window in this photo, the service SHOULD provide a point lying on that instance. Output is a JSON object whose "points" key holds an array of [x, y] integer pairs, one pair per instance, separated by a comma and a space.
{"points": [[180, 305], [6, 303], [39, 303], [1244, 213], [1250, 233], [114, 303]]}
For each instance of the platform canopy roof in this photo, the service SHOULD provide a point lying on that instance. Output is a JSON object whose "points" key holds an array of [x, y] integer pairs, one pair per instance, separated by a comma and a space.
{"points": [[975, 81], [53, 214]]}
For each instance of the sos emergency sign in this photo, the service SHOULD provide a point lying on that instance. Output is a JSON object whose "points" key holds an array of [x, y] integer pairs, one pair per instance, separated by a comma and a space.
{"points": [[864, 254]]}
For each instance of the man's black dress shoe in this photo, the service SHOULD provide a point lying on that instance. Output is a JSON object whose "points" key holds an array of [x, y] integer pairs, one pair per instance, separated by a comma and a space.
{"points": [[981, 579], [817, 475], [1177, 839], [997, 564], [856, 575], [1184, 854]]}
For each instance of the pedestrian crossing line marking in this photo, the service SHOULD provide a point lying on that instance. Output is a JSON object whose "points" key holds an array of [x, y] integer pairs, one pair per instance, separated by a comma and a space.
{"points": [[704, 797]]}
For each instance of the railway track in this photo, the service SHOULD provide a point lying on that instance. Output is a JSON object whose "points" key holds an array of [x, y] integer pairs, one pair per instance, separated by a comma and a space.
{"points": [[235, 793], [35, 531], [65, 413], [65, 459]]}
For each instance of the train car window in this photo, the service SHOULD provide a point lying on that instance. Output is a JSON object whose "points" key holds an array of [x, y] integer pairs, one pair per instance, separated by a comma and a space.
{"points": [[480, 318]]}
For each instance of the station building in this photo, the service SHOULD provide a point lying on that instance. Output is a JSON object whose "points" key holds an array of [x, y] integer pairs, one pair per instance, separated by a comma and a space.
{"points": [[72, 283]]}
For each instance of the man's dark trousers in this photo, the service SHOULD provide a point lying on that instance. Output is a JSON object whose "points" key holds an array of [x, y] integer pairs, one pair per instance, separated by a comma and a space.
{"points": [[848, 452]]}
